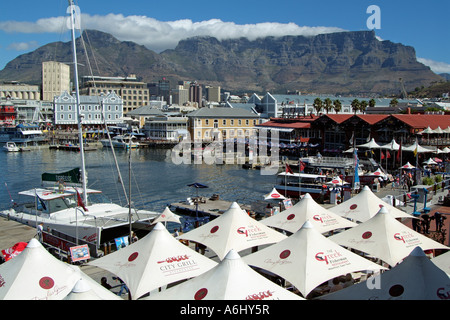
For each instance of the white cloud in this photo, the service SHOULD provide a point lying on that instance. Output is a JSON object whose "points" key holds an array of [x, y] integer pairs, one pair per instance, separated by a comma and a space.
{"points": [[161, 35], [23, 46], [436, 66]]}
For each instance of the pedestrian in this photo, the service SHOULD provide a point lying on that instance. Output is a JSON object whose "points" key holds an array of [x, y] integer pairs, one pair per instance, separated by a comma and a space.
{"points": [[426, 223], [40, 230], [176, 233], [134, 237], [438, 219], [105, 283]]}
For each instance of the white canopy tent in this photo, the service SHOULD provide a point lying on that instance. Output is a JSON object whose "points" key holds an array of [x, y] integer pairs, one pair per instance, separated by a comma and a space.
{"points": [[336, 181], [307, 259], [166, 216], [385, 238], [364, 206], [155, 260], [370, 145], [416, 278], [234, 229], [430, 162], [393, 146], [231, 279], [415, 147], [274, 195], [443, 262], [82, 291], [36, 275], [307, 209], [407, 166]]}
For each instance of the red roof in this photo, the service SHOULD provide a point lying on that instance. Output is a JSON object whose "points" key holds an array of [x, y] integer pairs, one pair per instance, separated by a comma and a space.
{"points": [[339, 118], [422, 121], [372, 118]]}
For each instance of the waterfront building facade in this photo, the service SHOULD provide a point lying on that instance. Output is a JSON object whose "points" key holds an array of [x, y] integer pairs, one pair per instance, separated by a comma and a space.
{"points": [[165, 128], [133, 93], [226, 123], [95, 110], [55, 79]]}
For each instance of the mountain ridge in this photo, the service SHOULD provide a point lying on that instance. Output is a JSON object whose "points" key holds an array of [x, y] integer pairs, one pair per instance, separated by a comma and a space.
{"points": [[353, 62]]}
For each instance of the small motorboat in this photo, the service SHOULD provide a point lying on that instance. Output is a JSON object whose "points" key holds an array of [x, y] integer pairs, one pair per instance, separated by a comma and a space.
{"points": [[11, 147]]}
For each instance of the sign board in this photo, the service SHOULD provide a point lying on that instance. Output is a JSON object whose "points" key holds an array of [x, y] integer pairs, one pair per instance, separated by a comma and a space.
{"points": [[79, 253]]}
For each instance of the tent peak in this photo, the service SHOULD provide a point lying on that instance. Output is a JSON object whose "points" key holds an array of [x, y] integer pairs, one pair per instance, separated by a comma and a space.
{"points": [[307, 225], [307, 196], [383, 210], [235, 205], [81, 286], [34, 243], [159, 226], [417, 252], [232, 255], [365, 188]]}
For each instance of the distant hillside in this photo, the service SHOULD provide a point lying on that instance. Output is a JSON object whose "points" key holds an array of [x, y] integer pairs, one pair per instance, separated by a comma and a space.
{"points": [[434, 91], [342, 63]]}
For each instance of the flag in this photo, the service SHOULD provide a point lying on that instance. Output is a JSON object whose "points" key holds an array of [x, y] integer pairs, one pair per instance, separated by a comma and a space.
{"points": [[356, 163], [80, 201], [388, 155], [288, 169], [40, 202], [399, 152], [14, 251], [301, 165], [382, 155], [351, 141]]}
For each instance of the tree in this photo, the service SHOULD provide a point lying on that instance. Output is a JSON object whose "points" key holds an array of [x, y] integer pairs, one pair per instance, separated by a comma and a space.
{"points": [[372, 103], [328, 104], [337, 105], [355, 105], [363, 106], [393, 103], [318, 105]]}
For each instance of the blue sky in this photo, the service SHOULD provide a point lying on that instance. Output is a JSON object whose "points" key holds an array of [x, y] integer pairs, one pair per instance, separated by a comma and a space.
{"points": [[27, 25]]}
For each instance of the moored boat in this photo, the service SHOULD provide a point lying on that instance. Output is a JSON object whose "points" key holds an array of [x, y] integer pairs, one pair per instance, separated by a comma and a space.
{"points": [[11, 147], [293, 185]]}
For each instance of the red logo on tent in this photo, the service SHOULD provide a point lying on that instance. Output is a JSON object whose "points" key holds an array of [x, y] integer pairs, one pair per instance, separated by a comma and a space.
{"points": [[317, 218], [201, 294], [321, 257], [274, 195], [133, 256], [46, 283], [290, 217], [242, 230], [397, 236], [214, 229], [285, 254], [353, 206], [367, 235]]}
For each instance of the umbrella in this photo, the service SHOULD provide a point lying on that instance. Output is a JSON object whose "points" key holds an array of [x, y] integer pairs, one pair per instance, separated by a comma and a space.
{"points": [[385, 238], [438, 130], [417, 148], [154, 261], [36, 275], [378, 173], [428, 130], [167, 215], [416, 278], [234, 229], [231, 279], [306, 259], [307, 209], [274, 195], [364, 206]]}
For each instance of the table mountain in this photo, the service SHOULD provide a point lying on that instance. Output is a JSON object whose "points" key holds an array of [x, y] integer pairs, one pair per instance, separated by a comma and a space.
{"points": [[343, 63]]}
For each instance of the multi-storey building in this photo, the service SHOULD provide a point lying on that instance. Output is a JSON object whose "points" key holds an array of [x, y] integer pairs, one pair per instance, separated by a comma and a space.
{"points": [[228, 123], [195, 94], [134, 93], [180, 95], [95, 110], [213, 94], [15, 90], [55, 79]]}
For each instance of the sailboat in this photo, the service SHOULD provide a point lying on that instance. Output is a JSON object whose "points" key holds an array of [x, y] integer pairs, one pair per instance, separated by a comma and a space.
{"points": [[68, 206]]}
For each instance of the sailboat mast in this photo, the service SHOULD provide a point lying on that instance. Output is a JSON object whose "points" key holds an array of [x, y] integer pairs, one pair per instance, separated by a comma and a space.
{"points": [[77, 92]]}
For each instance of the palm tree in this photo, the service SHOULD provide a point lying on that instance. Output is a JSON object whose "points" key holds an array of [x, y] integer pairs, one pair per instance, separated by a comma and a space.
{"points": [[328, 104], [393, 102], [318, 105], [355, 105], [363, 105], [372, 103], [337, 105]]}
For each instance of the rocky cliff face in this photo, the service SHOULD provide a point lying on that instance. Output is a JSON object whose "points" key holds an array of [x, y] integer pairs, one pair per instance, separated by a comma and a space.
{"points": [[345, 63]]}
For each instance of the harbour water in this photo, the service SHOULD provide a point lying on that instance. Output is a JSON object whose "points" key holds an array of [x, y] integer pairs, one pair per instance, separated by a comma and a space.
{"points": [[156, 180]]}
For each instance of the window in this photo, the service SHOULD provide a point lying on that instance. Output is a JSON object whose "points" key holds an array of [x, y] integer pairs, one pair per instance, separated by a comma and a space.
{"points": [[224, 122]]}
